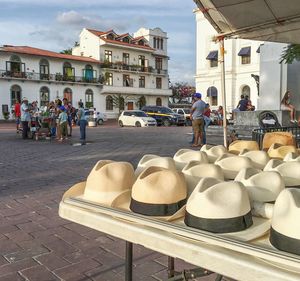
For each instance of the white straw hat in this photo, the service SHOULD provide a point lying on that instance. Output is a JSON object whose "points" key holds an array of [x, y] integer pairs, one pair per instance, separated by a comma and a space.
{"points": [[150, 160], [223, 207], [259, 157], [279, 151], [290, 171], [195, 171], [157, 192], [238, 146], [231, 165], [184, 156], [261, 186], [213, 151], [285, 229], [291, 156]]}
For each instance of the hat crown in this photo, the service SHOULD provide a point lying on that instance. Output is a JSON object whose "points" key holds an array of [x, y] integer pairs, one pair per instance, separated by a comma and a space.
{"points": [[272, 164], [187, 155], [279, 151], [291, 156], [213, 152], [240, 145], [198, 169], [154, 160]]}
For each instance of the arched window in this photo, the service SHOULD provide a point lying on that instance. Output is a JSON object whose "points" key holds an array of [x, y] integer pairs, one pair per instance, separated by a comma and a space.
{"points": [[44, 69], [68, 94], [15, 67], [109, 103], [15, 94], [246, 91], [44, 96], [89, 98], [88, 73], [212, 94], [68, 72], [158, 101]]}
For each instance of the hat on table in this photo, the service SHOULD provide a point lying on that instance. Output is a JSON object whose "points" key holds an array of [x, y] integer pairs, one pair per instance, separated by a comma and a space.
{"points": [[259, 157], [184, 156], [223, 207], [290, 171], [106, 181], [213, 151], [231, 165], [285, 226], [238, 146], [279, 151], [291, 156], [284, 138], [195, 171], [149, 160], [157, 192], [261, 186]]}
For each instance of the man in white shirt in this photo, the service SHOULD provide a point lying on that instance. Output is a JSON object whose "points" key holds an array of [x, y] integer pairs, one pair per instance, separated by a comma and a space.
{"points": [[25, 117]]}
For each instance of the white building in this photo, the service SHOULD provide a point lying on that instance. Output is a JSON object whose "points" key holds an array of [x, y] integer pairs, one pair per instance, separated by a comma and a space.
{"points": [[241, 61], [104, 67], [133, 67]]}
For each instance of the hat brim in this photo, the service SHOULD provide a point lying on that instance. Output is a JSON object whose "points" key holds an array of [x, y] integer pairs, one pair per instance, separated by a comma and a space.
{"points": [[123, 202]]}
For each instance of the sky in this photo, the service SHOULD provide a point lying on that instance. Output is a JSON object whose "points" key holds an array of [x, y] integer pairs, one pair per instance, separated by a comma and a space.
{"points": [[55, 25]]}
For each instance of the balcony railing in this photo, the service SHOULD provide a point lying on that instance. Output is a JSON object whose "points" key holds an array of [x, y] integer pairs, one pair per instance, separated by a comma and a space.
{"points": [[48, 77], [136, 68]]}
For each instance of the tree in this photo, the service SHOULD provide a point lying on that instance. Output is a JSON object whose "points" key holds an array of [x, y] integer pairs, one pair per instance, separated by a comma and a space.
{"points": [[67, 51], [181, 91], [119, 101], [291, 53]]}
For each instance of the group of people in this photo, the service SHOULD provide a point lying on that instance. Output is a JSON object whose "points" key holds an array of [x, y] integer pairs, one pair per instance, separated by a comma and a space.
{"points": [[61, 116], [244, 104]]}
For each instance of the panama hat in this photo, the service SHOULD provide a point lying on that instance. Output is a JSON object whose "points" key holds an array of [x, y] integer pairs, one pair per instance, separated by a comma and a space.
{"points": [[195, 171], [231, 165], [261, 186], [279, 151], [284, 138], [290, 171], [291, 156], [24, 98], [259, 157], [157, 192], [223, 207], [184, 156], [285, 226], [149, 160], [238, 146], [213, 151], [106, 181]]}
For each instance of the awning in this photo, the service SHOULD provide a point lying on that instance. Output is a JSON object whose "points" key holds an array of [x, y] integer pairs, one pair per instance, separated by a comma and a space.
{"points": [[268, 20], [246, 51], [213, 55]]}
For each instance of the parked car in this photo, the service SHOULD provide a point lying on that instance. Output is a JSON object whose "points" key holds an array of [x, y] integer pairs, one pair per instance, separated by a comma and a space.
{"points": [[137, 118], [99, 117], [184, 112], [164, 115]]}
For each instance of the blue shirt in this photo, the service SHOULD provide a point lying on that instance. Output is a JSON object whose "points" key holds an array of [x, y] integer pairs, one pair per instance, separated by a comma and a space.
{"points": [[199, 107], [81, 113], [25, 115], [63, 117]]}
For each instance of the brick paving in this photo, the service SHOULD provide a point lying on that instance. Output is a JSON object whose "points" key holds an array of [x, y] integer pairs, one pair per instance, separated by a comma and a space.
{"points": [[35, 243]]}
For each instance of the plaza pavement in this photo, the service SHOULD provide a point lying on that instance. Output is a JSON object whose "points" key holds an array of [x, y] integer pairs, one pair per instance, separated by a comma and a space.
{"points": [[35, 243]]}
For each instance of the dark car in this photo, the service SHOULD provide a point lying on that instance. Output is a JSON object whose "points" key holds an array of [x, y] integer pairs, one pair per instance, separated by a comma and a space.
{"points": [[164, 115]]}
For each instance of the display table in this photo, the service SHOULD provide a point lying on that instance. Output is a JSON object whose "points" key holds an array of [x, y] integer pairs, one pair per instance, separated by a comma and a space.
{"points": [[239, 260]]}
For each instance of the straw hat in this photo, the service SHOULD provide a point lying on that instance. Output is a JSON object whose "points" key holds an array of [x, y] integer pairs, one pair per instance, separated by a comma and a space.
{"points": [[223, 207], [291, 156], [285, 228], [290, 171], [284, 138], [149, 160], [184, 156], [261, 186], [279, 151], [195, 171], [106, 181], [259, 158], [238, 146], [157, 192], [231, 165], [213, 151]]}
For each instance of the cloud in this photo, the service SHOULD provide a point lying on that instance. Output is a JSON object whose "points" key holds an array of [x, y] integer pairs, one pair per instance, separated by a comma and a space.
{"points": [[72, 18]]}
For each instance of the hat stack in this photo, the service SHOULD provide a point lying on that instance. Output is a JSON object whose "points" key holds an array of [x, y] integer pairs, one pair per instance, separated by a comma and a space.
{"points": [[238, 146], [279, 151], [284, 138], [259, 158], [213, 151], [184, 156]]}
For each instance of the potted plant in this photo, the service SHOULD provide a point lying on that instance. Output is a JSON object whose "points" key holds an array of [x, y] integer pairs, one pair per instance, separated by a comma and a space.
{"points": [[6, 115], [58, 76]]}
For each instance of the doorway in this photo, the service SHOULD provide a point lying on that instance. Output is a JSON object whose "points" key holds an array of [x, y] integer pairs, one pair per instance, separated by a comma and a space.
{"points": [[130, 105]]}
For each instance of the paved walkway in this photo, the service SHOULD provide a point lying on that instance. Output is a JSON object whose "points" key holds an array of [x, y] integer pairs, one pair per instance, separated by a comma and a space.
{"points": [[35, 243]]}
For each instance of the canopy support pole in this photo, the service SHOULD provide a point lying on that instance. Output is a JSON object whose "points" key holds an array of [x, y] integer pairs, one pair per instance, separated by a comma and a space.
{"points": [[222, 62]]}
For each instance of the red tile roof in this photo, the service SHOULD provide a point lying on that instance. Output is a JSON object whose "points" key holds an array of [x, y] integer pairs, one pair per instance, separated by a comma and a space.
{"points": [[97, 32], [44, 53]]}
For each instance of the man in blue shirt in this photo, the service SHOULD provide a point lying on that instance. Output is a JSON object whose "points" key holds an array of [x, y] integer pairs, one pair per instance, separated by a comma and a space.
{"points": [[25, 117], [197, 118]]}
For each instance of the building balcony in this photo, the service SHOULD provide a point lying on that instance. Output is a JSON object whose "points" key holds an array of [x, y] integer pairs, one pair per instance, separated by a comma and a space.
{"points": [[58, 77]]}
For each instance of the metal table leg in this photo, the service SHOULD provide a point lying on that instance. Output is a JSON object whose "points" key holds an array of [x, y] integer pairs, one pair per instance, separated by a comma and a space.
{"points": [[171, 267], [128, 261]]}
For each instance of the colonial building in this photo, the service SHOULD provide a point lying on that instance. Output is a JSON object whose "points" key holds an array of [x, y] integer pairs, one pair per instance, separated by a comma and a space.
{"points": [[108, 71], [242, 59], [134, 68]]}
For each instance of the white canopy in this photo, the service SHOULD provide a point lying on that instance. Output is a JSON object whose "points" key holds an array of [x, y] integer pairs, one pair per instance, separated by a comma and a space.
{"points": [[264, 20]]}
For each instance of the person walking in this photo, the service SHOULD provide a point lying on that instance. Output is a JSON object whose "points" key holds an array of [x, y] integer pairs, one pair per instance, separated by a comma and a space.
{"points": [[17, 112], [25, 117], [63, 119], [197, 111], [82, 122]]}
